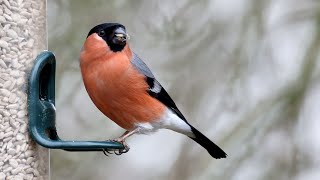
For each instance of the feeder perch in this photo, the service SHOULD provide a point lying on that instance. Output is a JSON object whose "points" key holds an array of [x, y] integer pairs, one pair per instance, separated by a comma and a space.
{"points": [[42, 111]]}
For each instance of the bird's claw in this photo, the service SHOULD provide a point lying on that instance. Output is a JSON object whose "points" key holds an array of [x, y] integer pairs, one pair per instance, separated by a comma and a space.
{"points": [[119, 151], [106, 152]]}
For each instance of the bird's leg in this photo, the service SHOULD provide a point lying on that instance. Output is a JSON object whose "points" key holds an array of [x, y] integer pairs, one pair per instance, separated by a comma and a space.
{"points": [[122, 139], [125, 135]]}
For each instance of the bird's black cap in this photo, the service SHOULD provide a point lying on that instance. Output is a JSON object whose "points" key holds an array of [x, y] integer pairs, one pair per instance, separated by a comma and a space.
{"points": [[107, 32], [105, 26]]}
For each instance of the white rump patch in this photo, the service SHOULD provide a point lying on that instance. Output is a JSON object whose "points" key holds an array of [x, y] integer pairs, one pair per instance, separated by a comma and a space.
{"points": [[168, 121]]}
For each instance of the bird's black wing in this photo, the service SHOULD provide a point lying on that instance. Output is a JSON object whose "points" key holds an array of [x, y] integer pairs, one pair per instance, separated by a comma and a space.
{"points": [[155, 89]]}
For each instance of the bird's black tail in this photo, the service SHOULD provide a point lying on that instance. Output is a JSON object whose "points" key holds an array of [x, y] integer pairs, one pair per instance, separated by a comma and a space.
{"points": [[214, 150]]}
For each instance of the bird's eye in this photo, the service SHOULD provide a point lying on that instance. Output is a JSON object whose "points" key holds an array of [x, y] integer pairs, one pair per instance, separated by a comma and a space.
{"points": [[101, 33]]}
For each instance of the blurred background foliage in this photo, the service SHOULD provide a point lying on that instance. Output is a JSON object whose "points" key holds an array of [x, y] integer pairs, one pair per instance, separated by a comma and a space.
{"points": [[244, 72]]}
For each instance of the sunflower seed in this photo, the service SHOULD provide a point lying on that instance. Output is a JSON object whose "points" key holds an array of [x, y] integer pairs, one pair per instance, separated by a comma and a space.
{"points": [[11, 151], [3, 43], [13, 163], [11, 33]]}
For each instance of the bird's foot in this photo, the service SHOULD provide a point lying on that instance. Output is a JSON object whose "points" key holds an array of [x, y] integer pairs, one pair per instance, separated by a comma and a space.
{"points": [[117, 151], [121, 151]]}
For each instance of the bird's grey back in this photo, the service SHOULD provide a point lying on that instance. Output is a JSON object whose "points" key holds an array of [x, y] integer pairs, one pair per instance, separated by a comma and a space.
{"points": [[141, 66]]}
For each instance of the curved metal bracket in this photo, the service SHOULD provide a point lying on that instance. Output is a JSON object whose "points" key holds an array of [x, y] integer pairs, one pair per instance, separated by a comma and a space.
{"points": [[42, 111]]}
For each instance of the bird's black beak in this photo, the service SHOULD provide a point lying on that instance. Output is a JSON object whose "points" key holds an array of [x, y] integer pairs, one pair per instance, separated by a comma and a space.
{"points": [[121, 35]]}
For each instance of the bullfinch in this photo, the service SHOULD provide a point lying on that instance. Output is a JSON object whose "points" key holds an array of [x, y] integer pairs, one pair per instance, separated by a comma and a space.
{"points": [[124, 89]]}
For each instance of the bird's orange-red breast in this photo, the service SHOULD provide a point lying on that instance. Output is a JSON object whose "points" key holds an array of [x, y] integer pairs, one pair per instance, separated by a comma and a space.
{"points": [[117, 89], [124, 89]]}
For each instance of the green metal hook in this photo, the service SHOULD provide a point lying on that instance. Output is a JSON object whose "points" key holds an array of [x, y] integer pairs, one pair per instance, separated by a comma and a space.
{"points": [[42, 111]]}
